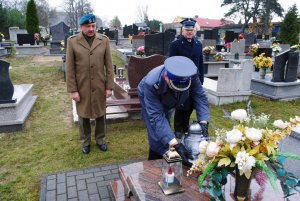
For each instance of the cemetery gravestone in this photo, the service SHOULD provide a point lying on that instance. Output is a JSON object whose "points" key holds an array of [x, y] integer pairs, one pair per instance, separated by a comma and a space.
{"points": [[291, 68], [137, 41], [237, 47], [25, 39], [249, 40], [229, 36], [279, 66], [13, 31], [154, 44], [58, 33], [6, 86]]}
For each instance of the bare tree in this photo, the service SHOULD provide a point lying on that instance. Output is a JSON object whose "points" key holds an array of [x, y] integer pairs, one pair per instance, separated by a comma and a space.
{"points": [[75, 9], [142, 14]]}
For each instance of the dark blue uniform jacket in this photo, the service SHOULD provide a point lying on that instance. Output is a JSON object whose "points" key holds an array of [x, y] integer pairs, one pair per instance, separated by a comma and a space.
{"points": [[158, 102], [192, 50]]}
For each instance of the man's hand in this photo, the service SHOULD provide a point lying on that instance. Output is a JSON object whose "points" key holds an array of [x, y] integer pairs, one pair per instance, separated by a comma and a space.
{"points": [[76, 96], [204, 127], [183, 152], [108, 93]]}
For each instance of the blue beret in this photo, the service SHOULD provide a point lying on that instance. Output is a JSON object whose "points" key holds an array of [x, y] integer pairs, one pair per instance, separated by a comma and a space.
{"points": [[180, 71], [188, 23], [87, 19]]}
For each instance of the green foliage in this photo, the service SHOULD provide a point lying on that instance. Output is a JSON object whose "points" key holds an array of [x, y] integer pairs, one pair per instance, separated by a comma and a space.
{"points": [[116, 23], [289, 28], [15, 18], [154, 25], [32, 20]]}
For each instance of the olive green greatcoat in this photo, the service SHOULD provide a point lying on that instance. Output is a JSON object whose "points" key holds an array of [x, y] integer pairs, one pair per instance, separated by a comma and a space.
{"points": [[89, 71]]}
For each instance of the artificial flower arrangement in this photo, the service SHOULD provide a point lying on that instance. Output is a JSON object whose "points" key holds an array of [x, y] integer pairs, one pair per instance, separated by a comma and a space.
{"points": [[1, 35], [62, 46], [141, 51], [219, 56], [37, 37], [262, 62], [208, 49], [276, 47], [241, 36], [248, 149], [253, 48], [227, 45], [296, 47]]}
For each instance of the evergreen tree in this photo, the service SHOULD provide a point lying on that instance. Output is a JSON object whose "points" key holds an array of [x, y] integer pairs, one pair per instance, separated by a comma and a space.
{"points": [[32, 20], [2, 18], [289, 28]]}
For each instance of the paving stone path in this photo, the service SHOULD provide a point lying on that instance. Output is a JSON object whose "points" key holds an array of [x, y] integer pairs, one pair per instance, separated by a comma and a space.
{"points": [[91, 184]]}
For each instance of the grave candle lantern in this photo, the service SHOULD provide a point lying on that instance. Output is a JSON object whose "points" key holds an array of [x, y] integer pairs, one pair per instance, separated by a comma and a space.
{"points": [[171, 173]]}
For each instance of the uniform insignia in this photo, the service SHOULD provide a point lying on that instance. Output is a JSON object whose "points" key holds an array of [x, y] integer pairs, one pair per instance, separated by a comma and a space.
{"points": [[156, 86]]}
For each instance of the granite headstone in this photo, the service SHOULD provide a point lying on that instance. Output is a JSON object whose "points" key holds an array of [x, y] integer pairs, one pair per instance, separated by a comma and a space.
{"points": [[6, 86], [279, 66], [291, 67], [25, 39], [59, 31]]}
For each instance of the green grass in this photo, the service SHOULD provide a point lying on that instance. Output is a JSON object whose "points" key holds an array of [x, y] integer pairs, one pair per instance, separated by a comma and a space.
{"points": [[50, 141]]}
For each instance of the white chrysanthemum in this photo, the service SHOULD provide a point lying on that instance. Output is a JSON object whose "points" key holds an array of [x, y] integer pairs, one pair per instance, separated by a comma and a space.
{"points": [[253, 134], [239, 114], [212, 149], [245, 163], [233, 136], [202, 146], [280, 124]]}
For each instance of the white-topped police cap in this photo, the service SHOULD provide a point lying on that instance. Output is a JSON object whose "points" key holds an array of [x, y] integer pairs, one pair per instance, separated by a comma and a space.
{"points": [[180, 71], [188, 23], [87, 19]]}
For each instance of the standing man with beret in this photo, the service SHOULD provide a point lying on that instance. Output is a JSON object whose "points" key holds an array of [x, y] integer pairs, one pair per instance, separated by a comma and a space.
{"points": [[163, 89], [187, 45], [90, 79]]}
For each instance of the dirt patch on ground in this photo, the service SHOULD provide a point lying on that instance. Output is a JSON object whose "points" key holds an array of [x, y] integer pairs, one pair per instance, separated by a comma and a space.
{"points": [[47, 60]]}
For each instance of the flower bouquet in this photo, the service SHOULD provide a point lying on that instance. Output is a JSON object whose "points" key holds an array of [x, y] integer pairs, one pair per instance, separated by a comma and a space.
{"points": [[241, 36], [208, 49], [248, 150], [276, 47], [219, 56], [227, 46], [263, 62], [1, 36], [141, 51], [253, 48], [62, 47], [296, 47]]}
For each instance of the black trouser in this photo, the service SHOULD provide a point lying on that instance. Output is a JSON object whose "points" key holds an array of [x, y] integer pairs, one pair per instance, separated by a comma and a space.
{"points": [[153, 155], [182, 116]]}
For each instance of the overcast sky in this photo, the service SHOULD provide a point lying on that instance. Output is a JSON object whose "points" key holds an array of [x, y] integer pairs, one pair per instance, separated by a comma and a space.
{"points": [[163, 10]]}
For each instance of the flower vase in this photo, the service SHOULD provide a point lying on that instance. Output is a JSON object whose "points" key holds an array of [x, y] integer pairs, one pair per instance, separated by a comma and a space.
{"points": [[262, 73], [206, 56], [242, 187]]}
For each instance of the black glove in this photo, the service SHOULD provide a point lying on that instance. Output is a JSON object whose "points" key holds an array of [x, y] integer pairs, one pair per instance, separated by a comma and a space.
{"points": [[183, 152], [204, 127]]}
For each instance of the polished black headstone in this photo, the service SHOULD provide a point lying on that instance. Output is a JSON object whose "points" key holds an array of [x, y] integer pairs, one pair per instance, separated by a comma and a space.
{"points": [[6, 86], [291, 67], [208, 34], [168, 38], [154, 44], [279, 66], [59, 31], [229, 36], [25, 39], [267, 51]]}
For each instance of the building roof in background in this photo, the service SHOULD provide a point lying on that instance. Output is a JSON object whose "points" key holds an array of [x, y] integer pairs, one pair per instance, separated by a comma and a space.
{"points": [[211, 23]]}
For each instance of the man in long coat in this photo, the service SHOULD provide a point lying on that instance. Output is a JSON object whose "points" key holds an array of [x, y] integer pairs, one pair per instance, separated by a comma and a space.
{"points": [[90, 79]]}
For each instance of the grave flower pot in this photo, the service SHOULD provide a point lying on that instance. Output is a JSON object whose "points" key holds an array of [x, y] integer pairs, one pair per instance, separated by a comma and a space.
{"points": [[206, 56], [242, 186], [262, 73]]}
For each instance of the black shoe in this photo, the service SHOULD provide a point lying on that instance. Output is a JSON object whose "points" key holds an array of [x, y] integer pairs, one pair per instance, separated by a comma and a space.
{"points": [[102, 147], [86, 149]]}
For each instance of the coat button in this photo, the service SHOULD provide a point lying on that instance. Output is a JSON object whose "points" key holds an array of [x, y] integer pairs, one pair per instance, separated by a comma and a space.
{"points": [[92, 66], [93, 90], [91, 53], [92, 78]]}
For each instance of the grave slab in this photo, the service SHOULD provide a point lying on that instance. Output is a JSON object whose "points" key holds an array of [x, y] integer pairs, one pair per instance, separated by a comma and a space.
{"points": [[14, 115]]}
